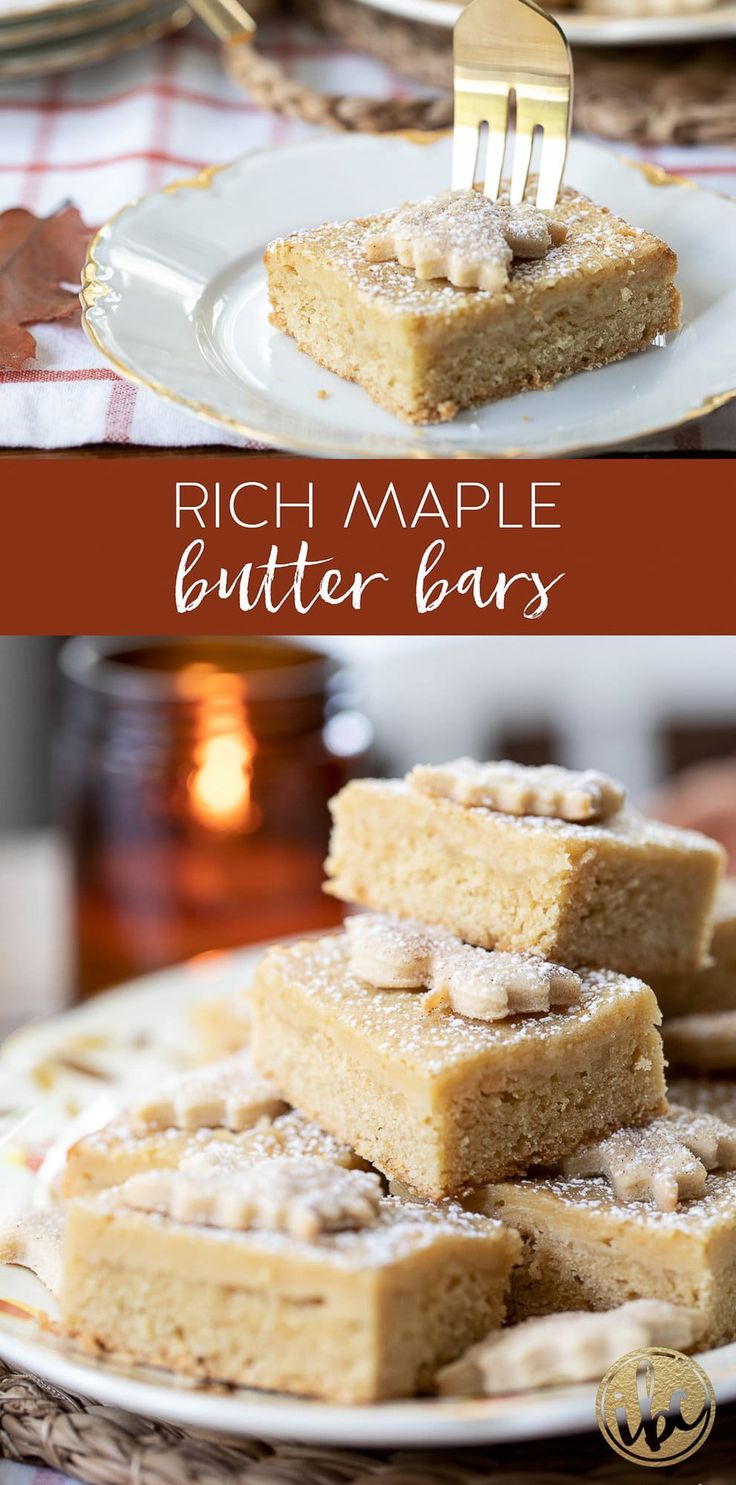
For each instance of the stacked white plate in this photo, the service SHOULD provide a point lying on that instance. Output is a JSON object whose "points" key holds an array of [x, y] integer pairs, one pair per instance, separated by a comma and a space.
{"points": [[607, 23], [39, 36]]}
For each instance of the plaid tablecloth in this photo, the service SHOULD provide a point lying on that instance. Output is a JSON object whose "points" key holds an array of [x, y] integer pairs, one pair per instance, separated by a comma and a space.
{"points": [[104, 135]]}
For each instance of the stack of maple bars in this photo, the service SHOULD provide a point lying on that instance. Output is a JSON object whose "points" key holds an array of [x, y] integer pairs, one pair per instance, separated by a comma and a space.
{"points": [[445, 1161]]}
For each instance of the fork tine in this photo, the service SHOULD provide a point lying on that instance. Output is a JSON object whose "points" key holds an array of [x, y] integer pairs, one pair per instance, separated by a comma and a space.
{"points": [[553, 114], [499, 47], [464, 156], [551, 166], [497, 118], [523, 140]]}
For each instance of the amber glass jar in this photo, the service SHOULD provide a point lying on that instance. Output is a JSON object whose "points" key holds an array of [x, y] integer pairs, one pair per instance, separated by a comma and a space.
{"points": [[194, 780]]}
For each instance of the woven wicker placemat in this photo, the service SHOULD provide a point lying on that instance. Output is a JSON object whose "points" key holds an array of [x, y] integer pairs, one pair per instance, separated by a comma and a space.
{"points": [[41, 1424], [653, 94]]}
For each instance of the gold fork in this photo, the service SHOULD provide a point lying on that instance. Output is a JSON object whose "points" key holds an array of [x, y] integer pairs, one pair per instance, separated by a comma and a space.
{"points": [[505, 47], [227, 18]]}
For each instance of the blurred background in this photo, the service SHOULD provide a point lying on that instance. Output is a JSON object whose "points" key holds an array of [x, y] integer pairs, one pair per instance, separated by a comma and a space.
{"points": [[163, 798]]}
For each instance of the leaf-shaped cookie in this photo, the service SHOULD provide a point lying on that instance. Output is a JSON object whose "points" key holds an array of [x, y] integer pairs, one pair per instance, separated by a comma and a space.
{"points": [[464, 237]]}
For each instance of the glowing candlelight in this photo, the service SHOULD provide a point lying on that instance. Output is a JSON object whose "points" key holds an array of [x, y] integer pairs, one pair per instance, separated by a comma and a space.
{"points": [[220, 783]]}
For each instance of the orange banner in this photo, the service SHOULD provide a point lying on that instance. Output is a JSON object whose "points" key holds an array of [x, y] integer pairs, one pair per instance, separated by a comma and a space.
{"points": [[227, 545]]}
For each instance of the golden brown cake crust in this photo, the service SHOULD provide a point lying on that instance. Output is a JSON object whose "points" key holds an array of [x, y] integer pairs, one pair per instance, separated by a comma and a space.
{"points": [[425, 349]]}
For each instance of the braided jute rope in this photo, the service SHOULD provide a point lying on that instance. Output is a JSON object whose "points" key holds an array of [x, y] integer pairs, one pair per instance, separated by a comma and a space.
{"points": [[268, 85], [653, 95], [41, 1424]]}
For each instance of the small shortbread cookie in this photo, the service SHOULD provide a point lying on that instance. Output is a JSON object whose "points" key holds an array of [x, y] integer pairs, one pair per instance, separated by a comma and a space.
{"points": [[222, 1025], [518, 789], [664, 1162], [577, 1347], [464, 237], [706, 1043], [223, 1095], [303, 1197], [482, 984], [34, 1241]]}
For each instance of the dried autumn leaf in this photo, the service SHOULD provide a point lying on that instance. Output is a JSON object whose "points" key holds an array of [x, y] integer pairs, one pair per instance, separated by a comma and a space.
{"points": [[38, 257]]}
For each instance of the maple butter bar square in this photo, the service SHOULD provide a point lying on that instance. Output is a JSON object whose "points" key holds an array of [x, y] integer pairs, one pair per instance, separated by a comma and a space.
{"points": [[586, 1250], [437, 1100], [424, 349], [624, 893], [350, 1316]]}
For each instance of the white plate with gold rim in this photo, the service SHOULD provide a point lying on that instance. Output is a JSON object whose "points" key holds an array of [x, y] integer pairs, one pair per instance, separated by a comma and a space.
{"points": [[175, 297], [66, 1076], [682, 22], [57, 25], [65, 53]]}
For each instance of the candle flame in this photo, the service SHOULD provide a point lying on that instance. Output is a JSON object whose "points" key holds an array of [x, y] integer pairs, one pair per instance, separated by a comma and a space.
{"points": [[219, 785]]}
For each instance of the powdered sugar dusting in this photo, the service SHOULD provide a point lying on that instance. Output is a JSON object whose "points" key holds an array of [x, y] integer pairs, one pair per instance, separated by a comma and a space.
{"points": [[592, 1194], [461, 236], [487, 984], [657, 1162], [289, 1134], [401, 1229], [394, 1022], [628, 826], [229, 1094], [712, 1095], [596, 240]]}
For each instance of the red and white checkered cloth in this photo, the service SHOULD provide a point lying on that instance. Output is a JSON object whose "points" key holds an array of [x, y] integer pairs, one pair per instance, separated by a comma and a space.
{"points": [[104, 135]]}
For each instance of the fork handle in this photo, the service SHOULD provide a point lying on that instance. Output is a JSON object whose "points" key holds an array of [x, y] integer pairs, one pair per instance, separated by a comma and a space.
{"points": [[228, 19]]}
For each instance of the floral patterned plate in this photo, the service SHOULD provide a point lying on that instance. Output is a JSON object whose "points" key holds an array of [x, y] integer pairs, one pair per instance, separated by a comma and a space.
{"points": [[66, 1076]]}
